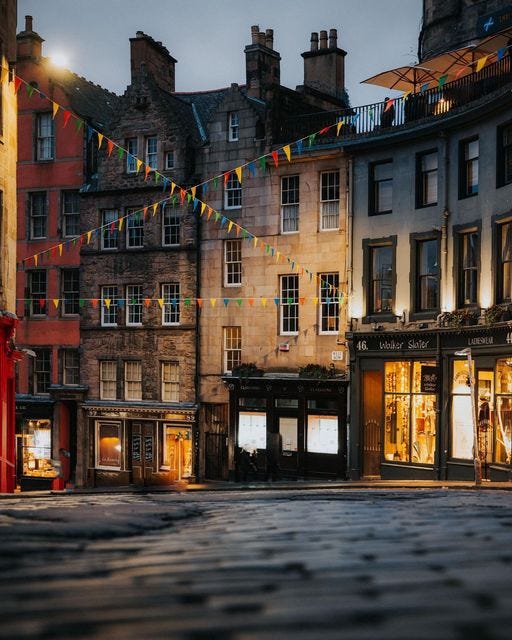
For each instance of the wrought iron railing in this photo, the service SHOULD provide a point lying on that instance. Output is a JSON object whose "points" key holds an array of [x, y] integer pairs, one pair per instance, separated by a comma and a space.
{"points": [[415, 108]]}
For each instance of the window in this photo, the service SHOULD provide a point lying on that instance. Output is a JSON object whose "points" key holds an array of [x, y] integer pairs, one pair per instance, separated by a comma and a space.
{"points": [[252, 430], [427, 275], [409, 412], [70, 213], [70, 281], [37, 292], [381, 188], [330, 200], [109, 232], [38, 214], [108, 445], [170, 227], [41, 378], [151, 152], [504, 153], [36, 449], [134, 228], [322, 434], [108, 380], [233, 126], [232, 348], [134, 304], [171, 303], [232, 193], [170, 382], [329, 303], [132, 381], [289, 204], [232, 263], [468, 168], [289, 305], [109, 306], [380, 293], [131, 156], [169, 160], [70, 366], [504, 289], [426, 179], [468, 261], [503, 419], [45, 145]]}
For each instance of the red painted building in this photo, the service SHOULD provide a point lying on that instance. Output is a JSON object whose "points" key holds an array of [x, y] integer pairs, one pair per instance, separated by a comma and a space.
{"points": [[56, 161]]}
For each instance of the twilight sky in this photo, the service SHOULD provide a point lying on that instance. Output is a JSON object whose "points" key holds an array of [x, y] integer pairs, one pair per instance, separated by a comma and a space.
{"points": [[208, 37]]}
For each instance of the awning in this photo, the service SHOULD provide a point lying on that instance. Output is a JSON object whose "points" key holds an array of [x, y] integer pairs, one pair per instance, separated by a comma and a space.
{"points": [[407, 78], [455, 64]]}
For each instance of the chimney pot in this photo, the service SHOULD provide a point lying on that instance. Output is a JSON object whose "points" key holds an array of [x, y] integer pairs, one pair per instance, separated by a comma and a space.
{"points": [[255, 30], [28, 23], [261, 38], [139, 34], [323, 39], [269, 38], [314, 41], [333, 39]]}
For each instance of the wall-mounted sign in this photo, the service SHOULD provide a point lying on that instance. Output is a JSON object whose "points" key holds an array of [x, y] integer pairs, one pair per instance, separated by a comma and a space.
{"points": [[337, 355], [494, 22], [136, 447], [429, 382]]}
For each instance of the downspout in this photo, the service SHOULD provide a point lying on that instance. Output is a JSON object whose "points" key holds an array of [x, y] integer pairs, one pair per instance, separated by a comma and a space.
{"points": [[446, 216], [197, 440], [349, 243]]}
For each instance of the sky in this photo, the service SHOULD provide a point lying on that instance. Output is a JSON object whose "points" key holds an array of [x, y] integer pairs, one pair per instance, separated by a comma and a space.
{"points": [[208, 37]]}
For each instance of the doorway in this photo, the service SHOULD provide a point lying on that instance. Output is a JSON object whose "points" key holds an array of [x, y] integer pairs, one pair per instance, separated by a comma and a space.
{"points": [[178, 452], [143, 452], [372, 422], [289, 444]]}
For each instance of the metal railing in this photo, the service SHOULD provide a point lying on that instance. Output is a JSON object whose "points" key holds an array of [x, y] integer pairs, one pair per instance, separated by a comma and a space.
{"points": [[415, 108]]}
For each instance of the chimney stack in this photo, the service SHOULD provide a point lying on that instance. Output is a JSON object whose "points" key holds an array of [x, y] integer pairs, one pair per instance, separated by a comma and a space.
{"points": [[262, 63], [324, 67], [151, 58], [29, 44]]}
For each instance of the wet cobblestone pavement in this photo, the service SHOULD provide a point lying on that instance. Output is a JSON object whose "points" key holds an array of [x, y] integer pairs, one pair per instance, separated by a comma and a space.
{"points": [[237, 565]]}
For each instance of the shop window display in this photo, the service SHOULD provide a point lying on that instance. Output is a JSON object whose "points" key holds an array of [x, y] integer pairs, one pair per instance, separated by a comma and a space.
{"points": [[252, 430], [322, 434], [37, 449], [178, 451], [462, 417], [503, 451], [109, 446], [410, 412]]}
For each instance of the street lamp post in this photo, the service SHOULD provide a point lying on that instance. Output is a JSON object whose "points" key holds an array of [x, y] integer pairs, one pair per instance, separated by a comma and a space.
{"points": [[476, 457]]}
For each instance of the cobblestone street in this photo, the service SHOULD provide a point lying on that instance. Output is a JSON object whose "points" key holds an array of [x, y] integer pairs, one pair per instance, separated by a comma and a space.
{"points": [[242, 565]]}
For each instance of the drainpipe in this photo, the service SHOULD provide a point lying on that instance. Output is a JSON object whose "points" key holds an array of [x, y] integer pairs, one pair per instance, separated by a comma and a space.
{"points": [[197, 442], [349, 212], [446, 215]]}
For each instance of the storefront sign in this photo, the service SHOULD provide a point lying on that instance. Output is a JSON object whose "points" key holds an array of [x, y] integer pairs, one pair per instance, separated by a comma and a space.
{"points": [[479, 338], [148, 448], [429, 379], [494, 22], [398, 343], [136, 447]]}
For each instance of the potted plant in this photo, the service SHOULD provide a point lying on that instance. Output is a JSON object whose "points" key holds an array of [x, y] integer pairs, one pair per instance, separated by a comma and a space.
{"points": [[497, 313], [247, 370], [460, 318], [317, 371]]}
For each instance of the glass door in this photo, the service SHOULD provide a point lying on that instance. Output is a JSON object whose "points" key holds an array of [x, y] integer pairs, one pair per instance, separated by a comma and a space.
{"points": [[289, 440]]}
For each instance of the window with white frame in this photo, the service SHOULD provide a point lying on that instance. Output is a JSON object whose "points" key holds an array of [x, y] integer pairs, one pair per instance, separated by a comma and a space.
{"points": [[131, 156], [70, 366], [171, 303], [151, 152], [289, 305], [37, 287], [70, 291], [233, 126], [109, 232], [169, 160], [329, 303], [132, 380], [170, 226], [289, 204], [38, 203], [108, 380], [232, 348], [70, 213], [134, 228], [41, 371], [330, 200], [109, 306], [170, 382], [232, 263], [232, 193], [134, 304], [45, 149], [108, 445]]}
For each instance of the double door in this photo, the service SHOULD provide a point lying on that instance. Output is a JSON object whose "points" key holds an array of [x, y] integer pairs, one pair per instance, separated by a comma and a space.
{"points": [[143, 452]]}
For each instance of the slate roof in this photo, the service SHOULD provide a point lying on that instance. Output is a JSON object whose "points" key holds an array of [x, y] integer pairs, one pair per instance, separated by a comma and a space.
{"points": [[205, 103]]}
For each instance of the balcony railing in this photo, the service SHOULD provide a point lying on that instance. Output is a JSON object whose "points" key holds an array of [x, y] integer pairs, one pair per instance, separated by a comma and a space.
{"points": [[416, 108]]}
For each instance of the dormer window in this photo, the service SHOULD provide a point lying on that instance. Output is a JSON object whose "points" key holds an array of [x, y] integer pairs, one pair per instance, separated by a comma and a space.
{"points": [[233, 126]]}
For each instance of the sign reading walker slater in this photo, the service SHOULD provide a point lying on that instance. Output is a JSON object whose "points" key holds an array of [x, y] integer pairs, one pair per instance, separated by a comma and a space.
{"points": [[394, 342], [494, 22], [429, 381]]}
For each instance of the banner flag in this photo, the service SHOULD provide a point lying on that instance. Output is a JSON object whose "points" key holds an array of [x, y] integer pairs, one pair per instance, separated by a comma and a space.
{"points": [[287, 152], [481, 63], [110, 147], [275, 157], [299, 144], [138, 163], [161, 303], [55, 108], [100, 140], [213, 301]]}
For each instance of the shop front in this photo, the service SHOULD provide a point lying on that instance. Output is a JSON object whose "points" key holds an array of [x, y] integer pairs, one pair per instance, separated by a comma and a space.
{"points": [[140, 446], [417, 410], [291, 427]]}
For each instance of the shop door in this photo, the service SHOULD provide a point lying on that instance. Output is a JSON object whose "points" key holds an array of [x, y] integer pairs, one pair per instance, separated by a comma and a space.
{"points": [[178, 452], [289, 445], [372, 422], [215, 456], [143, 453], [485, 415]]}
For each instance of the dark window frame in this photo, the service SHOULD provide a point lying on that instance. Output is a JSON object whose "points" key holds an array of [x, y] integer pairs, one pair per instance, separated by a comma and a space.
{"points": [[420, 182], [459, 231], [416, 313], [70, 295], [368, 245], [463, 166], [501, 152], [373, 199], [498, 223]]}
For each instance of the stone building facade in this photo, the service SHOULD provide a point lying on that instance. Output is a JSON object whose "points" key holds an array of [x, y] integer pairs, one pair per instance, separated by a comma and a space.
{"points": [[8, 322]]}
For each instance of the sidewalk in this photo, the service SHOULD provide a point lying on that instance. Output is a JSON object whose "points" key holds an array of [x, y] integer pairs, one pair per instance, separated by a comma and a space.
{"points": [[281, 485]]}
